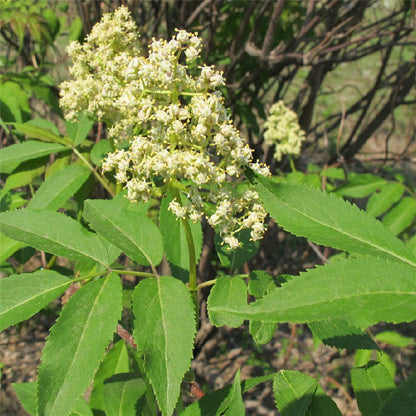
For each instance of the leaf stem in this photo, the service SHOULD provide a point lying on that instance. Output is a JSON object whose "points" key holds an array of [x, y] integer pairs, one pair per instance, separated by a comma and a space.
{"points": [[95, 173], [133, 273], [192, 282]]}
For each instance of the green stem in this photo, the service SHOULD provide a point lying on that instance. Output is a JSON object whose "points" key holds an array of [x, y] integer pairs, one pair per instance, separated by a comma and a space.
{"points": [[192, 282], [133, 273], [292, 163], [95, 173]]}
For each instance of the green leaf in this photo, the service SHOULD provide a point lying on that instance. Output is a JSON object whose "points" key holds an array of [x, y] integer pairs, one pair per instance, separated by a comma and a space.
{"points": [[115, 361], [100, 151], [78, 131], [57, 234], [12, 156], [362, 357], [400, 216], [236, 405], [361, 185], [8, 247], [35, 130], [136, 235], [77, 343], [333, 173], [227, 292], [217, 401], [174, 239], [25, 175], [362, 291], [164, 330], [387, 361], [380, 202], [372, 386], [26, 393], [23, 295], [394, 338], [81, 408], [58, 188], [340, 334], [328, 220], [322, 405], [122, 393], [262, 332], [235, 258], [261, 283], [293, 392], [403, 401]]}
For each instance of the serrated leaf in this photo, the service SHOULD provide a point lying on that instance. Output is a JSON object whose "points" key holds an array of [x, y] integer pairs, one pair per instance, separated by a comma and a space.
{"points": [[35, 130], [174, 239], [100, 151], [25, 175], [293, 392], [403, 401], [78, 131], [322, 405], [12, 156], [361, 185], [362, 357], [262, 332], [115, 361], [387, 361], [215, 402], [81, 408], [227, 292], [260, 283], [77, 343], [164, 330], [122, 393], [26, 393], [400, 216], [136, 235], [235, 258], [58, 188], [8, 247], [327, 220], [55, 233], [380, 202], [362, 291], [340, 334], [372, 386], [235, 405], [23, 295]]}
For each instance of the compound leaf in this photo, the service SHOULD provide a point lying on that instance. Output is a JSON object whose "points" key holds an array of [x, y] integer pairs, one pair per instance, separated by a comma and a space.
{"points": [[362, 291]]}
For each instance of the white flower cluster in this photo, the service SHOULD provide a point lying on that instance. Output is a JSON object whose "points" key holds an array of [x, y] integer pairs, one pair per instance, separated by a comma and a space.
{"points": [[180, 135], [283, 131]]}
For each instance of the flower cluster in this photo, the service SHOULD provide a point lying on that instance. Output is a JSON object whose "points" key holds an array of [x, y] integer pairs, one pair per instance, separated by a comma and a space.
{"points": [[171, 112], [283, 131]]}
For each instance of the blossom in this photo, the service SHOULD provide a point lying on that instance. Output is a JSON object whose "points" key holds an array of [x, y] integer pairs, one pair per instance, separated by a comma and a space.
{"points": [[283, 131], [171, 113]]}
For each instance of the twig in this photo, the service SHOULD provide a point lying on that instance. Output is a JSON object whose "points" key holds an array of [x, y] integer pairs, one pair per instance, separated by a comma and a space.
{"points": [[124, 334]]}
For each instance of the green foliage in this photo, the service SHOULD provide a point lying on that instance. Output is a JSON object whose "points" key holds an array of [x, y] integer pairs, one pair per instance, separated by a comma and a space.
{"points": [[164, 315], [102, 237]]}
